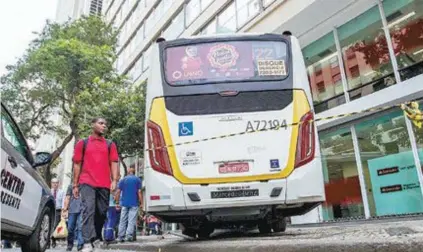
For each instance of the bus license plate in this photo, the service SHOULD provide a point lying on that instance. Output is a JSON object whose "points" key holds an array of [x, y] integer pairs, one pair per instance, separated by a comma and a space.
{"points": [[236, 167], [234, 194]]}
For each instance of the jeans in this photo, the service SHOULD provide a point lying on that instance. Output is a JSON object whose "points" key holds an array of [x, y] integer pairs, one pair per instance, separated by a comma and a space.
{"points": [[94, 203], [75, 228], [128, 220]]}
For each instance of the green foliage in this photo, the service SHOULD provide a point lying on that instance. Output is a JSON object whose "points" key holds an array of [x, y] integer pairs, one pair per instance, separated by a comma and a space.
{"points": [[125, 114], [68, 71]]}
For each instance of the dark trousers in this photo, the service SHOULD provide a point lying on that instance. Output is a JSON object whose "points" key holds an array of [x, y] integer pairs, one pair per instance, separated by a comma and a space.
{"points": [[95, 202], [74, 229]]}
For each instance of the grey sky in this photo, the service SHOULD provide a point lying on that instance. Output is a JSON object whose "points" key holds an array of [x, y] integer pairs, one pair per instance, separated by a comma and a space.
{"points": [[18, 19]]}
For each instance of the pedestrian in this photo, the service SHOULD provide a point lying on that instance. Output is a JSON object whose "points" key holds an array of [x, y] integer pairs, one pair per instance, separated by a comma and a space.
{"points": [[95, 173], [59, 196], [72, 208], [130, 188]]}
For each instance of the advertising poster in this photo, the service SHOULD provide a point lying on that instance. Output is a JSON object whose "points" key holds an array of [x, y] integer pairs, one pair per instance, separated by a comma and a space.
{"points": [[395, 185], [225, 61]]}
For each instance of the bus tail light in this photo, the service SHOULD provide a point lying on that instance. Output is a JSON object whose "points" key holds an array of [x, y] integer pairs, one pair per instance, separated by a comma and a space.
{"points": [[306, 140], [159, 157]]}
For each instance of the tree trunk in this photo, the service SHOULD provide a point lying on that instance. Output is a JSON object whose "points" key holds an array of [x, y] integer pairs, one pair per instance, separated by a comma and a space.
{"points": [[125, 167], [57, 152]]}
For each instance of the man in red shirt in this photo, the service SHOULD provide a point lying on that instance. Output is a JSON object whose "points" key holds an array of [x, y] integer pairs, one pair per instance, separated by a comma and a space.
{"points": [[95, 174]]}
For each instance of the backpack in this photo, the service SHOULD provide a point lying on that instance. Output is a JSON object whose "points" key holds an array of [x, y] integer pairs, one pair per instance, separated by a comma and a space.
{"points": [[109, 145]]}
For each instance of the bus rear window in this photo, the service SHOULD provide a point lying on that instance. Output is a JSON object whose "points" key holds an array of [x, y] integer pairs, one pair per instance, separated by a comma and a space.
{"points": [[225, 61]]}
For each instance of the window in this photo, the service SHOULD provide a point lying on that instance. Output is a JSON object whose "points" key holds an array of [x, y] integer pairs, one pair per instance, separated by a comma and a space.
{"points": [[192, 11], [210, 28], [323, 70], [266, 3], [225, 61], [149, 22], [205, 4], [342, 186], [146, 60], [246, 9], [167, 4], [388, 165], [175, 28], [226, 20], [405, 22], [139, 36], [12, 135], [366, 56]]}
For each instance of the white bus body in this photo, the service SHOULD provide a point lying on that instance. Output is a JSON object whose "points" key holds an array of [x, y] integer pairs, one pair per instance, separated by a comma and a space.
{"points": [[206, 87]]}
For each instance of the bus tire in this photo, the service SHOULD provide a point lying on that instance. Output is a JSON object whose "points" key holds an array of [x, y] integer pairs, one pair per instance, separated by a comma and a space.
{"points": [[279, 225], [205, 232], [264, 227], [189, 232]]}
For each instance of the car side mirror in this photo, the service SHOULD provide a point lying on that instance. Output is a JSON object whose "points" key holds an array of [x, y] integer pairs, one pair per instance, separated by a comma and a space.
{"points": [[42, 158]]}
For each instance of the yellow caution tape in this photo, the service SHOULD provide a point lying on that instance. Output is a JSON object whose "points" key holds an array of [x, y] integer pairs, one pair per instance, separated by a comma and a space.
{"points": [[413, 113]]}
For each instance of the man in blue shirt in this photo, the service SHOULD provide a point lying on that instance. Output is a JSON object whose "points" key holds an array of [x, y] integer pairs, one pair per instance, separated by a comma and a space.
{"points": [[130, 188]]}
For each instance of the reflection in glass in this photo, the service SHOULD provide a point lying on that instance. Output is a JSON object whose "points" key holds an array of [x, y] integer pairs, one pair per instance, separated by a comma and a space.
{"points": [[365, 53], [324, 73], [405, 22], [342, 186], [226, 20], [388, 166]]}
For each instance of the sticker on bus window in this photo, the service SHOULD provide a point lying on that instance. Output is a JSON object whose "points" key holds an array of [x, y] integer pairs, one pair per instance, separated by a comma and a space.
{"points": [[223, 56], [271, 67]]}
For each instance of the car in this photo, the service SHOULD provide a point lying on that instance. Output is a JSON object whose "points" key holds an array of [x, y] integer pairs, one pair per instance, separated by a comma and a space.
{"points": [[27, 205]]}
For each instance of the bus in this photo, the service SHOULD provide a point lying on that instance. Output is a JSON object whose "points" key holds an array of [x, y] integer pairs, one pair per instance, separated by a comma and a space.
{"points": [[221, 150]]}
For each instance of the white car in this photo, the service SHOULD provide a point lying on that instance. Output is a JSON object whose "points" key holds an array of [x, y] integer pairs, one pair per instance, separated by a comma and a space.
{"points": [[27, 206]]}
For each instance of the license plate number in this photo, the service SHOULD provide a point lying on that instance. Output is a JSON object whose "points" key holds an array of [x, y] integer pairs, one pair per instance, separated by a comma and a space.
{"points": [[237, 167], [234, 194]]}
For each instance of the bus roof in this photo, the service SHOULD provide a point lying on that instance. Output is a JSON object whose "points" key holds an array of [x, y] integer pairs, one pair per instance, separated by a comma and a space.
{"points": [[224, 35]]}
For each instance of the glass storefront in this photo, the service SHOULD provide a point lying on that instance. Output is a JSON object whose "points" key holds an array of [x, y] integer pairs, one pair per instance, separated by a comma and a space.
{"points": [[324, 73], [390, 176], [365, 53], [405, 23], [342, 186]]}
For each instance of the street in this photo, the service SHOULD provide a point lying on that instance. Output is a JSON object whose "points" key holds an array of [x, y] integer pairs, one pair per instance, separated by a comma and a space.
{"points": [[384, 235]]}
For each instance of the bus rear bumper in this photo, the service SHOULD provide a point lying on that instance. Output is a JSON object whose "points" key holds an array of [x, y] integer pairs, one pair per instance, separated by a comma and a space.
{"points": [[304, 185]]}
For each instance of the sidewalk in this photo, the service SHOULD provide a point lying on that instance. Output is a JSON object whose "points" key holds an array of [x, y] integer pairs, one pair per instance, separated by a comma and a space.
{"points": [[392, 236]]}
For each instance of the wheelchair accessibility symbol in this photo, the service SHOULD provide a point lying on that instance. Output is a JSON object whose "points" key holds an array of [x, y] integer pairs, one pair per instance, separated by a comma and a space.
{"points": [[186, 129]]}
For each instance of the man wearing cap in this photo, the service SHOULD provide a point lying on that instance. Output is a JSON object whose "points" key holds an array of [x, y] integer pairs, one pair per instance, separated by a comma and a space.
{"points": [[59, 197]]}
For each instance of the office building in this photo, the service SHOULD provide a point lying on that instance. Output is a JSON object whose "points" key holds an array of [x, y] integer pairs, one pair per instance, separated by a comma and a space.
{"points": [[359, 54]]}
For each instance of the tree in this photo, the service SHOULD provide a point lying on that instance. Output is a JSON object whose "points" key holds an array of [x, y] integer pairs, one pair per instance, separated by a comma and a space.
{"points": [[67, 70], [125, 114]]}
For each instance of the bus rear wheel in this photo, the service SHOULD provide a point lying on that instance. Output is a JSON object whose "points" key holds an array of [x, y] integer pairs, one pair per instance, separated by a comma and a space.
{"points": [[264, 227], [279, 225]]}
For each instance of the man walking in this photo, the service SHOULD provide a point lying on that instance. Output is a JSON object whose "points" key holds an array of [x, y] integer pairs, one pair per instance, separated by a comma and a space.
{"points": [[130, 186], [95, 163], [58, 195], [72, 208]]}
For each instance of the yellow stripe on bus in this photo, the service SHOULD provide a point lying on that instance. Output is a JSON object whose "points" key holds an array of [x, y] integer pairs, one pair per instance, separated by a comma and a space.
{"points": [[158, 115]]}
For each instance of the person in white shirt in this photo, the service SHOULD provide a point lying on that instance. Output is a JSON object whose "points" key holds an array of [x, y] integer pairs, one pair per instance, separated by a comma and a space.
{"points": [[59, 197]]}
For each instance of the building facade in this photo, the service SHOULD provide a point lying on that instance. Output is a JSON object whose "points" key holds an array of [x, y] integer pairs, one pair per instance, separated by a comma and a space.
{"points": [[73, 9], [360, 54]]}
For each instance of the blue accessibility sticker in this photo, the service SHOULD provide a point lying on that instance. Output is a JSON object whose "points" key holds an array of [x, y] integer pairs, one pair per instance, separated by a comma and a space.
{"points": [[274, 163], [186, 129]]}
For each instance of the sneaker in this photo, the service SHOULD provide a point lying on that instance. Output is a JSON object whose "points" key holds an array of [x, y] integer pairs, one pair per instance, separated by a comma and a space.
{"points": [[80, 247], [96, 244], [69, 248]]}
